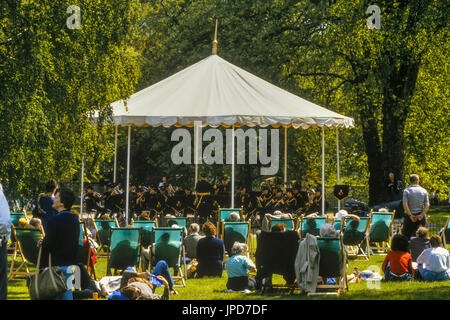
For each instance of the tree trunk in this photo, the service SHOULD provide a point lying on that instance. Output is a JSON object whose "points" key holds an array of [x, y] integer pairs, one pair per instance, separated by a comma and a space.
{"points": [[396, 103]]}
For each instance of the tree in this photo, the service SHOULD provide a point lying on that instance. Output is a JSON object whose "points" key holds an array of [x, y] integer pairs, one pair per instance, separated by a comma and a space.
{"points": [[52, 79]]}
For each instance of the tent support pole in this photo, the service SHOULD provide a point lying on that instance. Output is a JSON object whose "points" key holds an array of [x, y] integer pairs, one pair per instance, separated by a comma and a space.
{"points": [[323, 169], [128, 177], [337, 161], [232, 167], [196, 154], [285, 158], [82, 186], [115, 153]]}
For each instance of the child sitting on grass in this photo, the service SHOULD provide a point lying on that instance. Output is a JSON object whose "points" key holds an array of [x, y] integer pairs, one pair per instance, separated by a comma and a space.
{"points": [[397, 266]]}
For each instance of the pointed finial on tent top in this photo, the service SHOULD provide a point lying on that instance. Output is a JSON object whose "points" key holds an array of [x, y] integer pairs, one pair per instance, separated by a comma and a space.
{"points": [[215, 42]]}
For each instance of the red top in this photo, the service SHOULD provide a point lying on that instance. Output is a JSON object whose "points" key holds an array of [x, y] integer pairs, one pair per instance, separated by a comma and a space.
{"points": [[400, 262]]}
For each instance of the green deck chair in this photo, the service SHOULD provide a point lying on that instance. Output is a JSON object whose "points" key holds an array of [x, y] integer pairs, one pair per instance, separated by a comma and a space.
{"points": [[169, 247], [180, 221], [84, 252], [312, 225], [332, 264], [224, 214], [355, 235], [381, 230], [446, 233], [125, 248], [236, 231], [147, 234], [102, 227], [27, 239], [289, 223]]}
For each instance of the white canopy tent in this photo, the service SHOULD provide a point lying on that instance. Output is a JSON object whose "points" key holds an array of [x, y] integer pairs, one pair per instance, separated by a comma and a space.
{"points": [[218, 93]]}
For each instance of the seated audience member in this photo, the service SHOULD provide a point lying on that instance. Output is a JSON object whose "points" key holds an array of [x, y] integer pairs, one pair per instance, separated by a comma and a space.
{"points": [[34, 223], [328, 231], [234, 217], [278, 227], [397, 266], [139, 288], [210, 253], [191, 241], [419, 243], [111, 286], [434, 263], [276, 215], [238, 266]]}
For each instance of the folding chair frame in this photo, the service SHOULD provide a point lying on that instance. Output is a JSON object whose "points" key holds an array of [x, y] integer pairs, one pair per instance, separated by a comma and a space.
{"points": [[102, 246], [444, 239], [294, 223], [385, 249], [108, 267], [342, 284], [181, 256], [357, 250], [241, 211], [248, 240], [18, 249], [90, 265]]}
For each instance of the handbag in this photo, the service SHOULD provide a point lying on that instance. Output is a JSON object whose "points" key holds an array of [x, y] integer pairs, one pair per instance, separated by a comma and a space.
{"points": [[48, 283]]}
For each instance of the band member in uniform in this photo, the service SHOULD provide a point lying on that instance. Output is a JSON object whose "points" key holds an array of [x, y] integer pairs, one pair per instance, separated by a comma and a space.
{"points": [[175, 203], [290, 202], [92, 200], [203, 199], [141, 200], [188, 202], [301, 197], [161, 203], [113, 199], [277, 201], [264, 199]]}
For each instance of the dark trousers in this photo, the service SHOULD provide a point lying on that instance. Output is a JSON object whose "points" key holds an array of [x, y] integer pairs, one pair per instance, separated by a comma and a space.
{"points": [[3, 271], [241, 283], [410, 228]]}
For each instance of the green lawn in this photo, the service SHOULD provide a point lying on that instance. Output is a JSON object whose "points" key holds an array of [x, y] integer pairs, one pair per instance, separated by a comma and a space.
{"points": [[213, 288]]}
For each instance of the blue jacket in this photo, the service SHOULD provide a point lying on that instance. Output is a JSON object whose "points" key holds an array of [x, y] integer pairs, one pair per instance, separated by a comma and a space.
{"points": [[61, 240]]}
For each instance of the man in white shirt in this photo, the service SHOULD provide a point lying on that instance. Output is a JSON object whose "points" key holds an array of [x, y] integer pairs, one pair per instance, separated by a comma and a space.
{"points": [[434, 262], [5, 232]]}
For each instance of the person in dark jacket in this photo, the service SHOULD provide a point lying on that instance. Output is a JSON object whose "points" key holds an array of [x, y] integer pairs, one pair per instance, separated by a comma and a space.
{"points": [[61, 237], [45, 203], [210, 253]]}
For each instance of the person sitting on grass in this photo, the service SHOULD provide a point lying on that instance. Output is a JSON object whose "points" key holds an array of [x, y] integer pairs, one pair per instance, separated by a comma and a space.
{"points": [[210, 253], [112, 286], [419, 243], [238, 266], [397, 266], [434, 262]]}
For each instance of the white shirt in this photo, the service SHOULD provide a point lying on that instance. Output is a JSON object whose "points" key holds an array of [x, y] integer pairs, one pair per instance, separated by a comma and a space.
{"points": [[435, 259], [5, 218]]}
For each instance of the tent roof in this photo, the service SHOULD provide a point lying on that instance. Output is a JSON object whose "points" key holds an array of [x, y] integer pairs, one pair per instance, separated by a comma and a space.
{"points": [[217, 93]]}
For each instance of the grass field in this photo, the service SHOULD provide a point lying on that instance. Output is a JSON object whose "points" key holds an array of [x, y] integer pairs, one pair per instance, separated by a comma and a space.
{"points": [[213, 288]]}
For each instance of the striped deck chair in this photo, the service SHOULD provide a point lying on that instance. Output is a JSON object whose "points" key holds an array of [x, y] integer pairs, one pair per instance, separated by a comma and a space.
{"points": [[102, 227], [125, 249], [355, 235], [311, 225], [332, 265], [27, 239], [236, 231], [169, 247], [381, 231]]}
